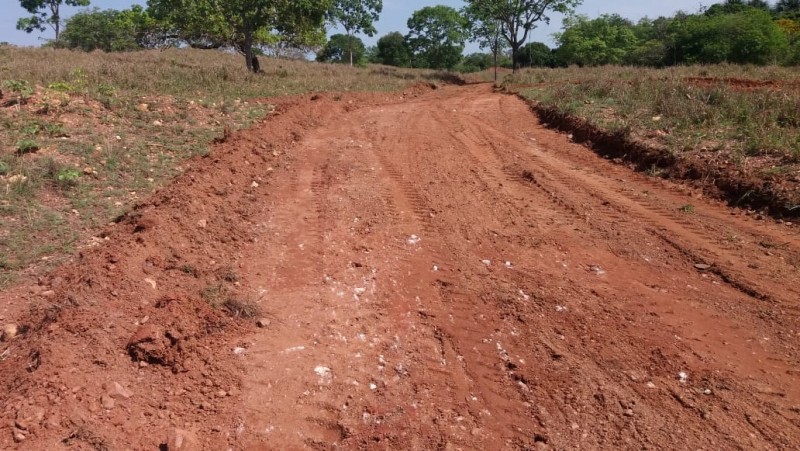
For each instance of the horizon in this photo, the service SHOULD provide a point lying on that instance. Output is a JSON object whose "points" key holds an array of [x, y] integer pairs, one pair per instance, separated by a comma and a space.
{"points": [[393, 18]]}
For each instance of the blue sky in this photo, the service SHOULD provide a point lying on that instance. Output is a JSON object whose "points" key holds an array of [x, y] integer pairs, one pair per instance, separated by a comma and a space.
{"points": [[394, 17]]}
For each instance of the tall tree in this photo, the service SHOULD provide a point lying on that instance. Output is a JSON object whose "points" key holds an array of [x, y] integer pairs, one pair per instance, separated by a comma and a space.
{"points": [[436, 37], [45, 13], [356, 16], [486, 30], [242, 24], [519, 17]]}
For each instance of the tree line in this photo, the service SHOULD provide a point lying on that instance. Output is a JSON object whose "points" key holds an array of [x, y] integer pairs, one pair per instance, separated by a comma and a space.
{"points": [[735, 31]]}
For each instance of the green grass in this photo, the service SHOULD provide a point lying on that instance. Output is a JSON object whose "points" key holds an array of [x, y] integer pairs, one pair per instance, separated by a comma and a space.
{"points": [[84, 135]]}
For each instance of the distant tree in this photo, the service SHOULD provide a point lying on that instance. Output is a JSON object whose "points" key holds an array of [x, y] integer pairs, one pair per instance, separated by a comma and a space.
{"points": [[609, 39], [746, 37], [45, 13], [243, 24], [787, 9], [436, 37], [535, 54], [393, 51], [654, 42], [356, 16], [98, 30], [342, 49], [519, 17], [475, 62]]}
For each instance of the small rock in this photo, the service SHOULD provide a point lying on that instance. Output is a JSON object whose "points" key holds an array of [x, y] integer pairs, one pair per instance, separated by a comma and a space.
{"points": [[202, 223], [628, 412], [683, 377], [181, 440], [48, 294], [88, 170], [324, 374], [254, 184], [263, 323], [486, 262], [107, 402], [151, 282], [702, 266], [19, 436], [157, 123], [119, 392], [239, 351], [143, 107], [221, 394], [708, 391], [10, 331], [651, 385]]}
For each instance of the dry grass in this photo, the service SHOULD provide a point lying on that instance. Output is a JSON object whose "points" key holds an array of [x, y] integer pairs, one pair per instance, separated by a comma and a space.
{"points": [[83, 136], [759, 117]]}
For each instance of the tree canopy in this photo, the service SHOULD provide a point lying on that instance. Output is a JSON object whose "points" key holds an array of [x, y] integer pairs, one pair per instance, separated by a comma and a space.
{"points": [[609, 39], [392, 50], [342, 49], [45, 13], [243, 24], [436, 37], [519, 17], [356, 16], [108, 30]]}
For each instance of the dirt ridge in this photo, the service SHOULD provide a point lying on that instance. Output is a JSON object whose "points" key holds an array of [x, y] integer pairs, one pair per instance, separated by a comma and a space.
{"points": [[725, 183]]}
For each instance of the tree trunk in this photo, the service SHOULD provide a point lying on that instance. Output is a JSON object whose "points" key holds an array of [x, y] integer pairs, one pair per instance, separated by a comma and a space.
{"points": [[55, 17], [350, 47], [514, 57], [248, 51], [495, 63]]}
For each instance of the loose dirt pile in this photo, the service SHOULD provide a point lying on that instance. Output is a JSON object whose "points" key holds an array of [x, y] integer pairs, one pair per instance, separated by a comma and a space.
{"points": [[433, 270]]}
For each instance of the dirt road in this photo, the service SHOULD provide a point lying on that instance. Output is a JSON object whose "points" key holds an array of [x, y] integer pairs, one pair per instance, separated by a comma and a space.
{"points": [[439, 272]]}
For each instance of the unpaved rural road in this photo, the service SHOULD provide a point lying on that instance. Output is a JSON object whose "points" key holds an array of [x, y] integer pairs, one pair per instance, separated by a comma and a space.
{"points": [[439, 271]]}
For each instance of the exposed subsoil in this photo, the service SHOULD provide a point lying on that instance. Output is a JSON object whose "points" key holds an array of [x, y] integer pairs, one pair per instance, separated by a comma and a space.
{"points": [[435, 270]]}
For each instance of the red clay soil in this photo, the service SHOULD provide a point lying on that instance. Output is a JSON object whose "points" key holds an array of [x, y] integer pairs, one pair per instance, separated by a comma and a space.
{"points": [[435, 271]]}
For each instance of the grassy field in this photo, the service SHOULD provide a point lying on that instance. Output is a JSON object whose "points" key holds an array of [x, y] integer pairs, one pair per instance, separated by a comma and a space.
{"points": [[743, 119], [83, 136]]}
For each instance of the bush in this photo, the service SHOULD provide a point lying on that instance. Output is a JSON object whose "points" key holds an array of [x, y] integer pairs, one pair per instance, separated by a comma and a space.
{"points": [[27, 146]]}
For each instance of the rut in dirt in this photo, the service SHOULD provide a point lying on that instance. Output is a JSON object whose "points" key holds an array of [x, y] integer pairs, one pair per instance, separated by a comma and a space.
{"points": [[441, 271], [452, 274]]}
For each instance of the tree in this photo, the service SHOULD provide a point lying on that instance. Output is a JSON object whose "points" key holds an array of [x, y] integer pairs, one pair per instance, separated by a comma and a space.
{"points": [[436, 37], [519, 17], [341, 49], [536, 54], [486, 30], [475, 62], [111, 30], [393, 51], [242, 24], [98, 30], [356, 16], [608, 39], [45, 13], [746, 37]]}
